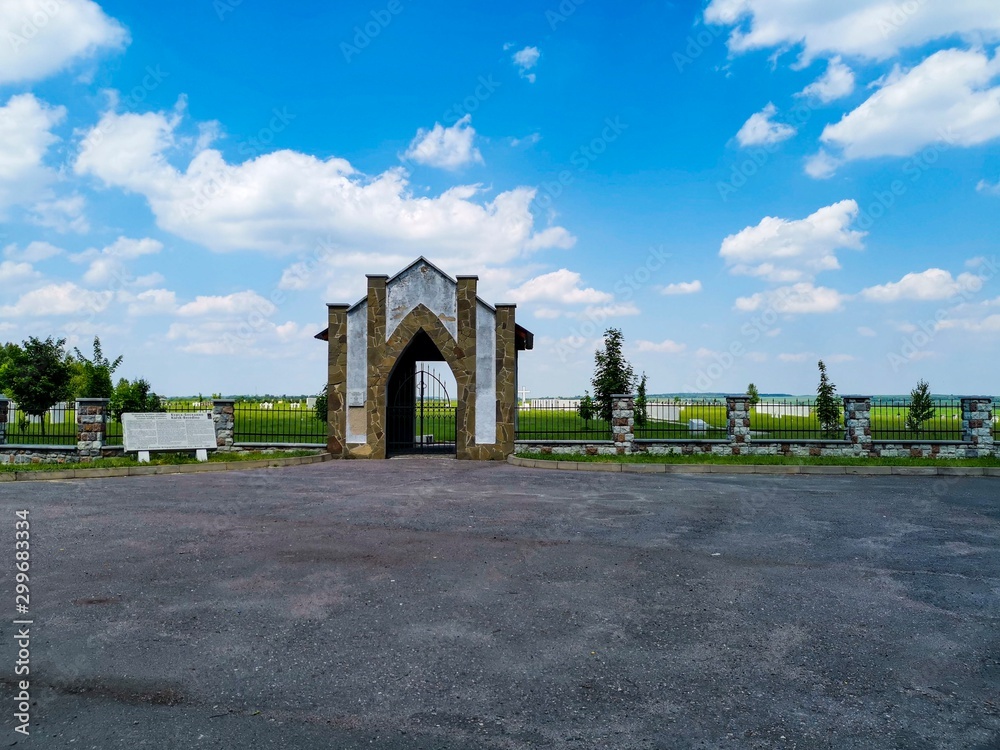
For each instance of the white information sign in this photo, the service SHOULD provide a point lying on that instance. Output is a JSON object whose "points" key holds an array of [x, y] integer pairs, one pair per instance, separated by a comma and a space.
{"points": [[168, 431]]}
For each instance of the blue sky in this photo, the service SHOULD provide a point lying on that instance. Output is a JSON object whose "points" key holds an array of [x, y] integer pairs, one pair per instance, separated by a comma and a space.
{"points": [[742, 186]]}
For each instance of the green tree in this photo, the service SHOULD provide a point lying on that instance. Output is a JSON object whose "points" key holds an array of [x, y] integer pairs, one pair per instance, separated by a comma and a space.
{"points": [[753, 394], [321, 405], [131, 397], [921, 406], [36, 375], [827, 406], [612, 373], [95, 374], [640, 416], [586, 409]]}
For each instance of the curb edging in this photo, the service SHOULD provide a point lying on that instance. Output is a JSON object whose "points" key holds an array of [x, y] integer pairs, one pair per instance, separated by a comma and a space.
{"points": [[139, 471], [774, 469]]}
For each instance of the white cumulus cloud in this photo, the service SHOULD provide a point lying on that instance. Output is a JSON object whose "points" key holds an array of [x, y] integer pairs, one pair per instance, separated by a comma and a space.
{"points": [[990, 188], [836, 83], [932, 284], [666, 346], [797, 299], [682, 287], [33, 253], [58, 299], [42, 37], [240, 303], [761, 129], [446, 148], [558, 286], [873, 29], [26, 125], [290, 202], [786, 250], [110, 263], [948, 99], [525, 60]]}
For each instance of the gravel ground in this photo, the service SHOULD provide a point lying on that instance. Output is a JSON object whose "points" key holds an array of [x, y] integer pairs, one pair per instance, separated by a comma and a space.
{"points": [[431, 603]]}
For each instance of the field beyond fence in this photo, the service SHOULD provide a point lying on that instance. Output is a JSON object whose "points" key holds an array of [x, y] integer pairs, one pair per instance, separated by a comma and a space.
{"points": [[785, 419]]}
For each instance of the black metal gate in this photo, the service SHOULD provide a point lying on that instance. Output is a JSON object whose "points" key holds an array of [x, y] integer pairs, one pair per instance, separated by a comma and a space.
{"points": [[420, 416]]}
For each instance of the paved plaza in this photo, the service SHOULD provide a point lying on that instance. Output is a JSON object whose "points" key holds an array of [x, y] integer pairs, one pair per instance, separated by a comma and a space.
{"points": [[432, 603]]}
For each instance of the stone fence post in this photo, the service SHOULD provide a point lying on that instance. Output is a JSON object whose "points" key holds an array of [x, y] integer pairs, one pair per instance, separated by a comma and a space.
{"points": [[4, 411], [738, 422], [977, 425], [91, 421], [858, 423], [623, 422], [224, 416]]}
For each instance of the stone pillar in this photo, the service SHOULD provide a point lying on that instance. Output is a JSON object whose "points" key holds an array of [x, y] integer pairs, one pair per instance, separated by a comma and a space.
{"points": [[858, 423], [336, 380], [224, 416], [623, 422], [738, 422], [4, 411], [465, 356], [378, 380], [91, 418], [977, 425], [506, 378]]}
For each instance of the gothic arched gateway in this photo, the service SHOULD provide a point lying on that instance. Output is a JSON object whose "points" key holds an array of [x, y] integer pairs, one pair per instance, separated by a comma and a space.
{"points": [[421, 315]]}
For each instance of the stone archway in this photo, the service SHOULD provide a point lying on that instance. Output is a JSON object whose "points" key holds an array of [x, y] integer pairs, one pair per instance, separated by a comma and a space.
{"points": [[421, 303]]}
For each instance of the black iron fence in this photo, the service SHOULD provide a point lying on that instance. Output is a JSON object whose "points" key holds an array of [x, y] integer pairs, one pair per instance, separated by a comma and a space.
{"points": [[277, 422], [682, 420], [559, 419], [56, 426], [897, 419], [793, 419]]}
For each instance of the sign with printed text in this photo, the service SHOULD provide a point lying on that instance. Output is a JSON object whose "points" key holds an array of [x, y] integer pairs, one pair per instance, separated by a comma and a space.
{"points": [[168, 432]]}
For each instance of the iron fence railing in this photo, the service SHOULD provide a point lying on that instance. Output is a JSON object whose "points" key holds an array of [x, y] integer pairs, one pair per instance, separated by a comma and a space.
{"points": [[277, 422], [57, 426], [682, 420], [792, 419], [558, 419], [895, 419]]}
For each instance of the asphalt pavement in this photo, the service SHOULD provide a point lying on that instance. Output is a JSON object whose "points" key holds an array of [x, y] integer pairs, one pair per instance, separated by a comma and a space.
{"points": [[431, 603]]}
